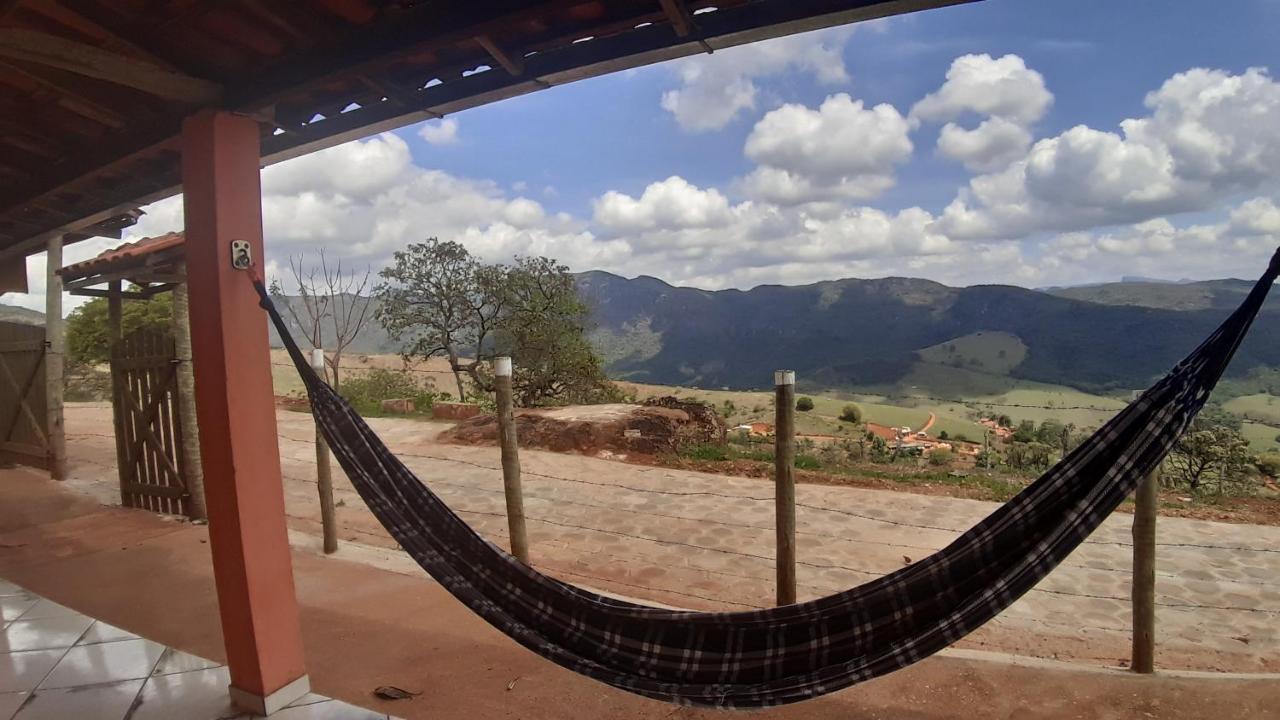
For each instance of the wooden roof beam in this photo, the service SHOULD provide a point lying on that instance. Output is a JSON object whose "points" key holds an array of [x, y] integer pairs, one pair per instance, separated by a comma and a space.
{"points": [[678, 15], [58, 11], [513, 65], [89, 61], [71, 97]]}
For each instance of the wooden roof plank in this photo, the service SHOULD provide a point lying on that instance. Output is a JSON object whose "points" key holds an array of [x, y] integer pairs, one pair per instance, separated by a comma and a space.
{"points": [[90, 61]]}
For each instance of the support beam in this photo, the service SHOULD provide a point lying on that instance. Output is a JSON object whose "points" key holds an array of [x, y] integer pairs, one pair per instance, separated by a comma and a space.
{"points": [[189, 460], [55, 341], [53, 51], [784, 476], [115, 332], [514, 66], [678, 16], [222, 195]]}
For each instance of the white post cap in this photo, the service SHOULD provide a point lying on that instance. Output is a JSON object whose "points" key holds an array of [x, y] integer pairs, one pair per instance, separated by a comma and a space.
{"points": [[317, 358], [502, 366], [784, 377]]}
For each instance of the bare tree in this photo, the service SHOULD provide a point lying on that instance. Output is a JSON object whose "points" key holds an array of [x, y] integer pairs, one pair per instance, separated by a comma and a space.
{"points": [[333, 298]]}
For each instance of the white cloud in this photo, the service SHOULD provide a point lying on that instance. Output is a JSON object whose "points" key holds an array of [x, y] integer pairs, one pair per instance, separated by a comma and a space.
{"points": [[991, 146], [672, 204], [439, 132], [842, 149], [1206, 139], [716, 88], [1004, 88]]}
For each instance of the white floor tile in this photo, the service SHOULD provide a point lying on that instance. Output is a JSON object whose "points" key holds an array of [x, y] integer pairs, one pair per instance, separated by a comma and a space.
{"points": [[12, 606], [10, 702], [23, 671], [101, 632], [43, 634], [100, 702], [8, 588], [196, 695], [176, 661], [105, 662], [45, 608]]}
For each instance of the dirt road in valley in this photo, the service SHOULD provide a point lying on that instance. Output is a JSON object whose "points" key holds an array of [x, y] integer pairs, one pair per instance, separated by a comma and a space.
{"points": [[706, 541]]}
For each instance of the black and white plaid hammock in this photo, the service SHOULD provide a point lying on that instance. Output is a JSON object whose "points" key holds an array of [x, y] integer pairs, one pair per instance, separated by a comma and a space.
{"points": [[786, 654]]}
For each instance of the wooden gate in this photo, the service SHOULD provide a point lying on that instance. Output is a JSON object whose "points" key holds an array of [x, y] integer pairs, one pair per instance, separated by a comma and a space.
{"points": [[148, 425], [24, 419]]}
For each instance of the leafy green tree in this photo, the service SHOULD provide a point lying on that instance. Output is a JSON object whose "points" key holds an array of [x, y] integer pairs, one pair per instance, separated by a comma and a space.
{"points": [[1028, 456], [88, 328], [851, 414], [804, 403], [446, 303], [1025, 432], [1210, 456]]}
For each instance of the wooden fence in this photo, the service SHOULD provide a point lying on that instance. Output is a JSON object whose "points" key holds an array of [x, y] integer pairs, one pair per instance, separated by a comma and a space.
{"points": [[24, 417], [148, 425]]}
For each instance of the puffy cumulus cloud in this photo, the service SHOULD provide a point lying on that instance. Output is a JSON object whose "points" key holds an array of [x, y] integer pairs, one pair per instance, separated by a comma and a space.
{"points": [[991, 146], [1010, 95], [439, 132], [714, 89], [1204, 141], [1238, 246], [356, 170], [672, 204], [1004, 88], [841, 149]]}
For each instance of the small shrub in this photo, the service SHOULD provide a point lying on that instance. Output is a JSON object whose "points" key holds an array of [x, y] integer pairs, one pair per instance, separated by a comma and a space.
{"points": [[943, 435], [940, 458], [367, 391], [804, 403], [805, 461], [851, 414], [705, 451], [1268, 463]]}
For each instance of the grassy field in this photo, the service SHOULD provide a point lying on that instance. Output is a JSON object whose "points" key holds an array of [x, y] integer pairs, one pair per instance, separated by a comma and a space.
{"points": [[992, 352], [1261, 407], [1262, 438]]}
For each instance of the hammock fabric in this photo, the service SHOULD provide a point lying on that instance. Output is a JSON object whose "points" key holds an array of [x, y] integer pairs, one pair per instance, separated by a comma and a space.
{"points": [[796, 652]]}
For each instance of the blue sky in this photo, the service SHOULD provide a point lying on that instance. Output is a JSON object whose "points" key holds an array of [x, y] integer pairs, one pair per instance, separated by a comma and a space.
{"points": [[1035, 143]]}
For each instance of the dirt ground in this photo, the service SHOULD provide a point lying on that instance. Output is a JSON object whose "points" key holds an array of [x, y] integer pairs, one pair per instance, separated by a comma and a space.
{"points": [[364, 627], [705, 541]]}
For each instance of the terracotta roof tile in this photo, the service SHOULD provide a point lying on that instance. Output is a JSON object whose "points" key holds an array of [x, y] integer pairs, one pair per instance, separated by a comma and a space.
{"points": [[122, 258]]}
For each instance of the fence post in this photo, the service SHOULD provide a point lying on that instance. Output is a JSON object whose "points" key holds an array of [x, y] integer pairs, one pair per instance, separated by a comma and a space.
{"points": [[324, 473], [784, 458], [1144, 574], [192, 471], [510, 458], [55, 341]]}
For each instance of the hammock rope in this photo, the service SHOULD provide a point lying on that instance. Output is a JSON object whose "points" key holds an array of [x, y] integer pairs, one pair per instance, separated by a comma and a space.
{"points": [[786, 654]]}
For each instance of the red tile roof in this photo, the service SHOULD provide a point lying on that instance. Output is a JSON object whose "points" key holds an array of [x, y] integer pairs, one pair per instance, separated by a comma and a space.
{"points": [[125, 257]]}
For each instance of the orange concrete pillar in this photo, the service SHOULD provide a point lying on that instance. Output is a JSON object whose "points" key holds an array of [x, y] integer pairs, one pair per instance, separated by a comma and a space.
{"points": [[235, 406]]}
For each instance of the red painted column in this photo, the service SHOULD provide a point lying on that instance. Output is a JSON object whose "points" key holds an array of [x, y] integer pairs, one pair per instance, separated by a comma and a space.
{"points": [[235, 406]]}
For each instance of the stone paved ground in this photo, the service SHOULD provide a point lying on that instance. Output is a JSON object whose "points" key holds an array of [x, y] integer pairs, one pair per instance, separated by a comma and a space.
{"points": [[705, 541]]}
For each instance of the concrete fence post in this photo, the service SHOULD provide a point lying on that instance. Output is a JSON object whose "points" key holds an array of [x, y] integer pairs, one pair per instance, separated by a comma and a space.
{"points": [[1144, 574], [510, 458], [324, 473], [784, 457]]}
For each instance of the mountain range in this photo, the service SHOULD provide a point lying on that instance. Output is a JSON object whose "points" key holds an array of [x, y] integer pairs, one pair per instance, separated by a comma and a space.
{"points": [[863, 333], [857, 333]]}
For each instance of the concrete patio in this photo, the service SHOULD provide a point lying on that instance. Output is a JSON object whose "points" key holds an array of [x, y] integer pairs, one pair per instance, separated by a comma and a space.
{"points": [[59, 663]]}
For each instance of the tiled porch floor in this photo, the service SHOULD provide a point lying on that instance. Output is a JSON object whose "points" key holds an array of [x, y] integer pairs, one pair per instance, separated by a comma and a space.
{"points": [[57, 663]]}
